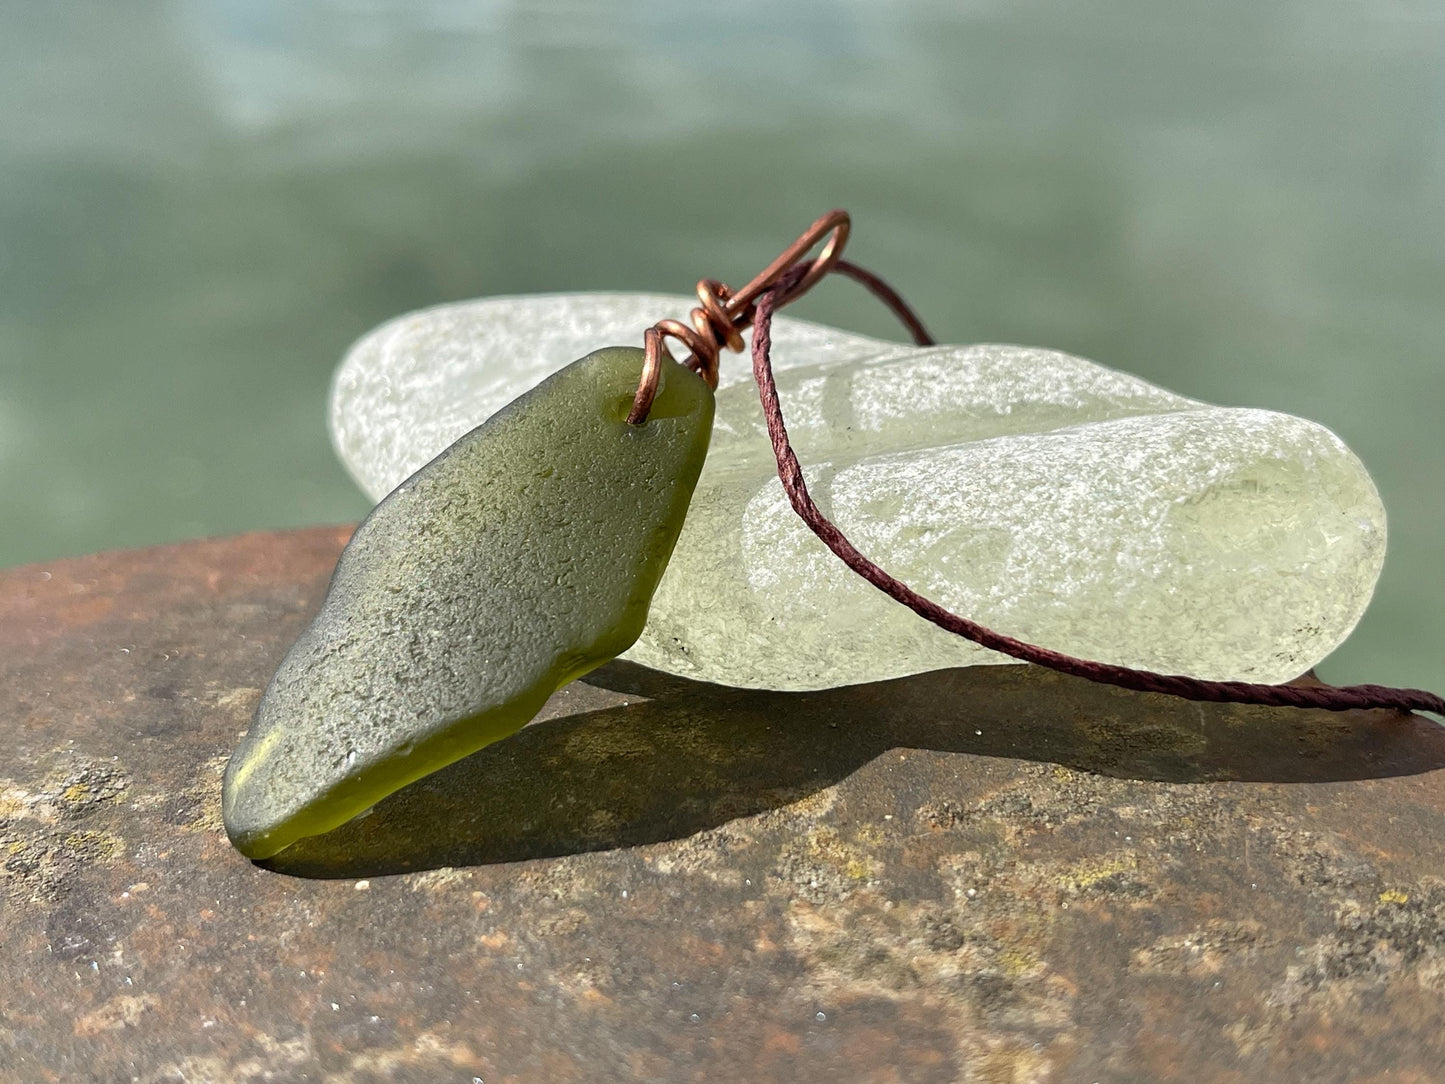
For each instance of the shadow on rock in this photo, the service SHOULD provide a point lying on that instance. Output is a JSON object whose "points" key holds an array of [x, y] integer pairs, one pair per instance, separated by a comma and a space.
{"points": [[635, 756]]}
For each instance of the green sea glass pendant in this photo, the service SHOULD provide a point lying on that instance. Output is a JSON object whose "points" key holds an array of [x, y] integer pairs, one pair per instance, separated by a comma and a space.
{"points": [[522, 557]]}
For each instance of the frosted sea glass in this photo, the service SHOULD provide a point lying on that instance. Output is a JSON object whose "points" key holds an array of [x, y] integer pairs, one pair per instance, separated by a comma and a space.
{"points": [[519, 559], [1044, 495]]}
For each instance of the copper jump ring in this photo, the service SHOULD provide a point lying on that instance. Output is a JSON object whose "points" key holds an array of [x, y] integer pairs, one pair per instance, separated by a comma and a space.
{"points": [[722, 314]]}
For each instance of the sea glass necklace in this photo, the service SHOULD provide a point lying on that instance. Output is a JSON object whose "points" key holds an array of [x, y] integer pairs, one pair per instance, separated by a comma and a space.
{"points": [[526, 554]]}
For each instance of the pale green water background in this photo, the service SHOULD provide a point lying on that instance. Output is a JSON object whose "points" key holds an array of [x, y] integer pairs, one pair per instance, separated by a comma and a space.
{"points": [[202, 204]]}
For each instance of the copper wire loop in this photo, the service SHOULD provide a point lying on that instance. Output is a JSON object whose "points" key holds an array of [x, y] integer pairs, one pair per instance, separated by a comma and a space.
{"points": [[723, 315]]}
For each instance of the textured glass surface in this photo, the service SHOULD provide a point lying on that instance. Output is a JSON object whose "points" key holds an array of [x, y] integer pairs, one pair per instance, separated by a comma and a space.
{"points": [[1042, 494], [517, 560]]}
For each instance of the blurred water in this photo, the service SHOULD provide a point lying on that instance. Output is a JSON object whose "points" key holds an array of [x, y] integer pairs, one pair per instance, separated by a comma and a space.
{"points": [[202, 203]]}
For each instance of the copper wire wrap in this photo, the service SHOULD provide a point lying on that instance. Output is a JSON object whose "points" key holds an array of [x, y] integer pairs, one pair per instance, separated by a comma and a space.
{"points": [[723, 314]]}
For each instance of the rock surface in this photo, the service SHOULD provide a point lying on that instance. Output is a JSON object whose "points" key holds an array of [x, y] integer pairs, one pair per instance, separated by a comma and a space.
{"points": [[1048, 497], [987, 874]]}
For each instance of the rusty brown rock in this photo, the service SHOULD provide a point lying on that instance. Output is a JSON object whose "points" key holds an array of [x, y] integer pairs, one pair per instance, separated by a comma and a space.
{"points": [[991, 874]]}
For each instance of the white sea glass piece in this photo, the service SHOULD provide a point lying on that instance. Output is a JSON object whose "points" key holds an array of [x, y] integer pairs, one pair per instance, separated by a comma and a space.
{"points": [[1043, 495]]}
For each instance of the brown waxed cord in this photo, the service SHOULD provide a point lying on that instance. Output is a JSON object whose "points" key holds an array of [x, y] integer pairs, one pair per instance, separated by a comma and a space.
{"points": [[890, 297], [790, 472]]}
